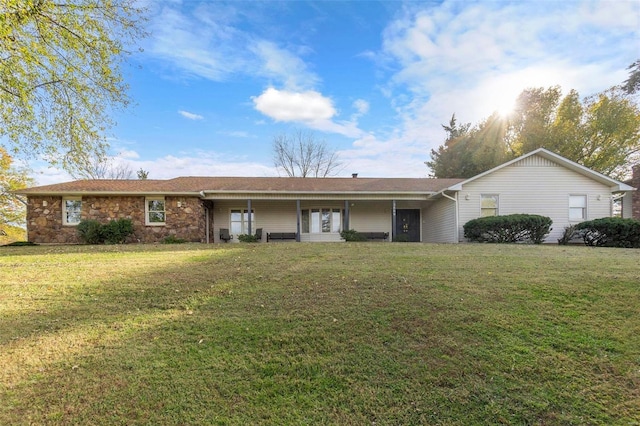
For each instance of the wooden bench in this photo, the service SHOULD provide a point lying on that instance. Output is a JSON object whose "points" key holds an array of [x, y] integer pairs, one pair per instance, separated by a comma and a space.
{"points": [[375, 235], [281, 236]]}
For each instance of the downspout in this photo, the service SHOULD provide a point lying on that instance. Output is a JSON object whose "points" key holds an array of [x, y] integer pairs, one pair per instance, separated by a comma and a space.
{"points": [[456, 233]]}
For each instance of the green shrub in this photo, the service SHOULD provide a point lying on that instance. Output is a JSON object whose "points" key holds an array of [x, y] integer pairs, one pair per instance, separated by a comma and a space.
{"points": [[512, 228], [115, 232], [570, 232], [352, 235], [90, 231], [172, 239], [246, 238], [611, 232]]}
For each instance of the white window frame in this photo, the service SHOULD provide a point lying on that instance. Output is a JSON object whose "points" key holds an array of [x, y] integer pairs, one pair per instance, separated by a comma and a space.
{"points": [[574, 207], [311, 227], [65, 212], [147, 211], [497, 208], [244, 221]]}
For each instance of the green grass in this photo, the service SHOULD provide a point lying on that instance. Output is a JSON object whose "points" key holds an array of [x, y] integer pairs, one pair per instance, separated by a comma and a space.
{"points": [[10, 234], [354, 333]]}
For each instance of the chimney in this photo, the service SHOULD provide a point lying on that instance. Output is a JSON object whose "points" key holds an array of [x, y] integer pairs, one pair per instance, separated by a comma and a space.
{"points": [[354, 175]]}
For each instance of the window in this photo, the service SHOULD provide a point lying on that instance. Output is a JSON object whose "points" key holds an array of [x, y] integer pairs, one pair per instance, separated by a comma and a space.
{"points": [[321, 220], [577, 207], [240, 221], [155, 211], [71, 211], [489, 205]]}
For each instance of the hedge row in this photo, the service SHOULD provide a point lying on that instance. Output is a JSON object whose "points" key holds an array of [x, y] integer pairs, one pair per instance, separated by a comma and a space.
{"points": [[512, 228], [610, 232]]}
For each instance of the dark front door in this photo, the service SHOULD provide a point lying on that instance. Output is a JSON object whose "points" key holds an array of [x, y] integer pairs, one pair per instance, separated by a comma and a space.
{"points": [[408, 225]]}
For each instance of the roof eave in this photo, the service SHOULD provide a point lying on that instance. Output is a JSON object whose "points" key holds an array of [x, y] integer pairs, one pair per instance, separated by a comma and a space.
{"points": [[104, 193]]}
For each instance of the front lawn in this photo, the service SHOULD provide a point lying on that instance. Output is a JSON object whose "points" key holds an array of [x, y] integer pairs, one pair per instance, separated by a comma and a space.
{"points": [[287, 333]]}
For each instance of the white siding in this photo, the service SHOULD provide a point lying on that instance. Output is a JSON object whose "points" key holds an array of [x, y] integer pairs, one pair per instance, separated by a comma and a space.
{"points": [[535, 186], [627, 204], [440, 222], [371, 216]]}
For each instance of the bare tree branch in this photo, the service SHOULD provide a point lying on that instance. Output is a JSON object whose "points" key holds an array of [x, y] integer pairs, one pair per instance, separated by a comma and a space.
{"points": [[102, 167], [301, 154]]}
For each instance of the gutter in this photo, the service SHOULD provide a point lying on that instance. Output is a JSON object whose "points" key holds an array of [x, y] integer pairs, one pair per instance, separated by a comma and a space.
{"points": [[104, 193]]}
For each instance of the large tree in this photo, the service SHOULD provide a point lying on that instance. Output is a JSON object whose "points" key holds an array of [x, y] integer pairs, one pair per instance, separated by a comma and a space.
{"points": [[468, 150], [601, 132], [302, 154], [632, 84], [451, 157], [12, 208], [60, 77]]}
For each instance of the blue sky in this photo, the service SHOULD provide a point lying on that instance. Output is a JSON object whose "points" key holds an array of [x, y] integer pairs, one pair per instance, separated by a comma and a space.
{"points": [[217, 81]]}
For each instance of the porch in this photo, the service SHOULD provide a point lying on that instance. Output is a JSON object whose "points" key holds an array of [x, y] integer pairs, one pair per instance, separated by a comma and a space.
{"points": [[316, 220]]}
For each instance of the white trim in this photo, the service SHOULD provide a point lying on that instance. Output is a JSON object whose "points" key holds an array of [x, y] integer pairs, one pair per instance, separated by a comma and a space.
{"points": [[319, 207], [64, 210], [243, 223], [491, 194], [147, 211], [585, 208]]}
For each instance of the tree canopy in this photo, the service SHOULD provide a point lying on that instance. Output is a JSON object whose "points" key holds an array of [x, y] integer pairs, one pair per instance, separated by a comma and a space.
{"points": [[60, 74], [12, 209], [632, 84], [601, 132]]}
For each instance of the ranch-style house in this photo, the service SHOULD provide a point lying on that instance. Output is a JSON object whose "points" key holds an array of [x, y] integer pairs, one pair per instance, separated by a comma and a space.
{"points": [[218, 209]]}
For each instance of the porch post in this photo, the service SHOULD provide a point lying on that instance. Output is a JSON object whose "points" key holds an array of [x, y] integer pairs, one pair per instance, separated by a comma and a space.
{"points": [[298, 220], [346, 215], [249, 219], [206, 223], [393, 221]]}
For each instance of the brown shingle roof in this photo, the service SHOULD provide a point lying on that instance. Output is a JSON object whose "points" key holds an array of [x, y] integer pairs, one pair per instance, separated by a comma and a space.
{"points": [[194, 184]]}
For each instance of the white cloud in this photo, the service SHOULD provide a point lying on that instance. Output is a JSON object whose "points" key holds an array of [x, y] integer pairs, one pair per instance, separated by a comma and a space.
{"points": [[202, 164], [309, 108], [283, 66], [190, 115], [237, 134], [209, 43], [128, 154], [283, 105], [473, 59], [361, 106], [198, 48]]}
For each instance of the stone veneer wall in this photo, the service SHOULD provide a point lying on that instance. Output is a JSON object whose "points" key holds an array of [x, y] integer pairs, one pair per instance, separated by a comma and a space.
{"points": [[44, 218]]}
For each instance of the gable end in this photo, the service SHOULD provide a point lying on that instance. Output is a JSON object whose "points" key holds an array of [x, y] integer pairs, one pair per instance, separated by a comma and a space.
{"points": [[535, 161]]}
